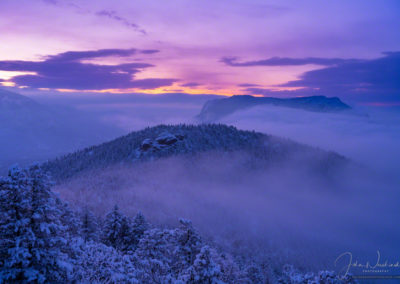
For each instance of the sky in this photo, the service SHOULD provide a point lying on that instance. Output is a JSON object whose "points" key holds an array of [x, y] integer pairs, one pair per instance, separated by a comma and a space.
{"points": [[349, 49]]}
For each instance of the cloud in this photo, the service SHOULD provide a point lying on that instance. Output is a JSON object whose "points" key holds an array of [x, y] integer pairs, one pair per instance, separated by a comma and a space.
{"points": [[191, 84], [111, 14], [149, 51], [286, 61], [367, 135], [356, 80], [79, 55], [114, 16], [367, 78], [67, 71], [248, 85]]}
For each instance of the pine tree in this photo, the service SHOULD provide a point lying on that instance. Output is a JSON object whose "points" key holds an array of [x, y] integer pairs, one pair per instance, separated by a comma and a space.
{"points": [[139, 226], [89, 226], [204, 270], [69, 219], [31, 229], [14, 220], [188, 244], [154, 256], [117, 230]]}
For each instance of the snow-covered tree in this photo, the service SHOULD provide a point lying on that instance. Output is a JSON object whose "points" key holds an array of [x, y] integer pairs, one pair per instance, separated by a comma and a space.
{"points": [[154, 256], [89, 226], [229, 268], [189, 244], [254, 274], [293, 276], [139, 226], [32, 233], [69, 219], [205, 270], [117, 231], [98, 263], [14, 220]]}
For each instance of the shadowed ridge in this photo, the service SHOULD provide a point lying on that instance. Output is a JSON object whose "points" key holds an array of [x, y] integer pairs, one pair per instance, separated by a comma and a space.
{"points": [[218, 108]]}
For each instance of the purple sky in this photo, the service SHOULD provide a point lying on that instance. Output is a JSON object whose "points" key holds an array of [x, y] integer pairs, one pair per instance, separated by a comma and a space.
{"points": [[273, 48]]}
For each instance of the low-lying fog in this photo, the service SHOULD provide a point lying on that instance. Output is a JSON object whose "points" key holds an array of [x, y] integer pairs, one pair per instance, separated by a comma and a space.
{"points": [[285, 213], [293, 215], [369, 135]]}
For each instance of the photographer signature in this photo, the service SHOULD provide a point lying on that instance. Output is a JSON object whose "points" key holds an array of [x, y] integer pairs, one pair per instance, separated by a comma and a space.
{"points": [[377, 266]]}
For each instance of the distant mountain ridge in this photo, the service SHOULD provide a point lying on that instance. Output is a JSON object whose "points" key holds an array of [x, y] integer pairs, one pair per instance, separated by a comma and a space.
{"points": [[172, 140], [218, 108], [13, 101]]}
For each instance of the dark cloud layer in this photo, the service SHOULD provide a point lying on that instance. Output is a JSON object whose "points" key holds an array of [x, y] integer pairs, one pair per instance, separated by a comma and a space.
{"points": [[365, 80], [78, 55], [285, 61], [67, 71], [376, 77]]}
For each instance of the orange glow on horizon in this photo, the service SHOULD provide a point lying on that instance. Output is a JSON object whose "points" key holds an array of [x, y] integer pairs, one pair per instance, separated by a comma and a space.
{"points": [[161, 90], [7, 84], [177, 89]]}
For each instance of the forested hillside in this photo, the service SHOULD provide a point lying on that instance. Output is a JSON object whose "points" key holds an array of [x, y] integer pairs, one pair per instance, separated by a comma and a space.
{"points": [[171, 140]]}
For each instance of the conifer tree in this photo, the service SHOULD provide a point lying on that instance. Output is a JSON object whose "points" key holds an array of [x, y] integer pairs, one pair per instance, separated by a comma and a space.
{"points": [[33, 233], [204, 269], [89, 225], [139, 226], [117, 230], [188, 244]]}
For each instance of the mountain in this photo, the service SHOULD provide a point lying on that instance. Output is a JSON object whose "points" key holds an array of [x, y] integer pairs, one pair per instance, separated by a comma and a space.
{"points": [[10, 101], [30, 131], [218, 108], [189, 140]]}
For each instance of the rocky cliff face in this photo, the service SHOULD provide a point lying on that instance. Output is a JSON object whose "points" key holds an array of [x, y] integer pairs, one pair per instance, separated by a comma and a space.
{"points": [[150, 147]]}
